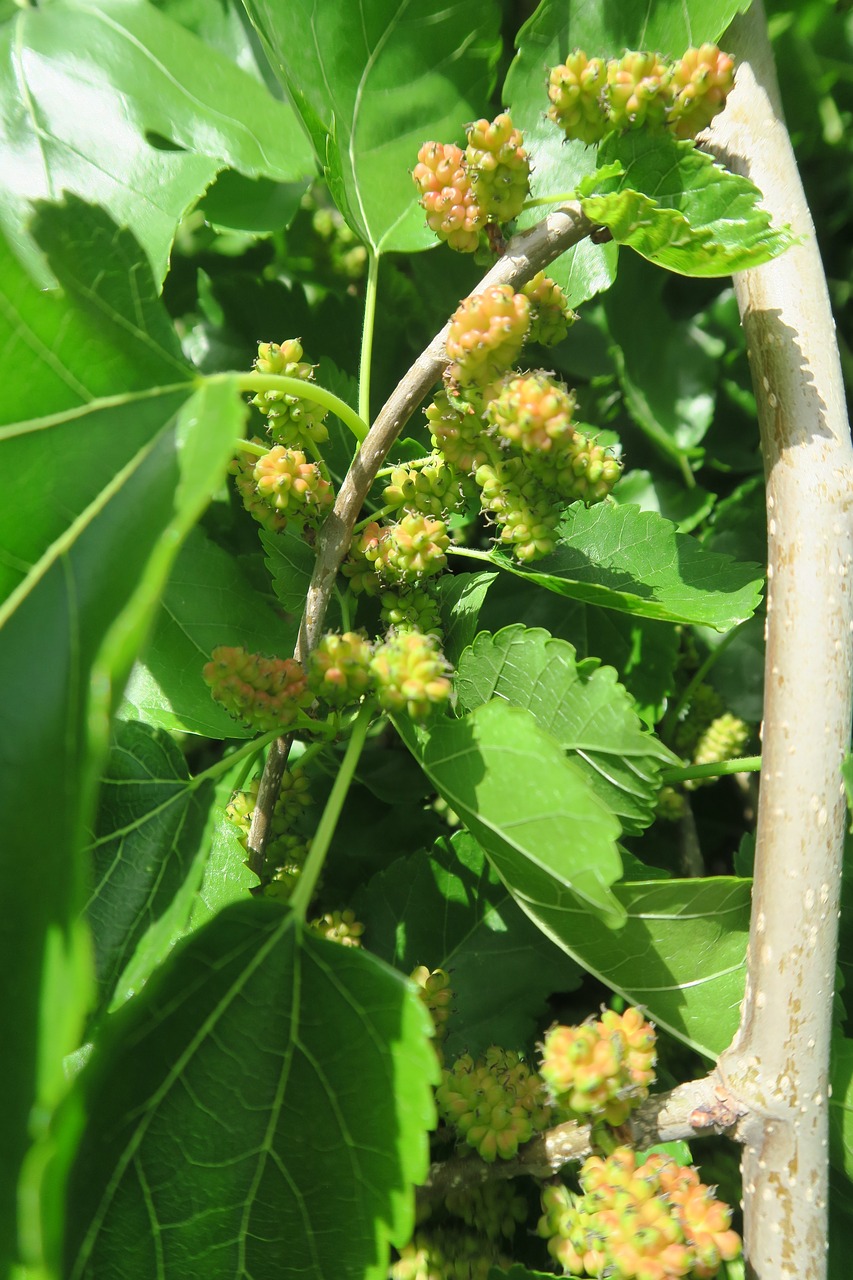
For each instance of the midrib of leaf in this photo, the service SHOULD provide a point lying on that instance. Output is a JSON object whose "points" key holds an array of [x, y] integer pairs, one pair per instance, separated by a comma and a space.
{"points": [[368, 67], [94, 405], [43, 354], [25, 95], [149, 1108]]}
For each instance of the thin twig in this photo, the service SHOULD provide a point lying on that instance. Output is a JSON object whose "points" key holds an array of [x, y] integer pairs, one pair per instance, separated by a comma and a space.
{"points": [[527, 253]]}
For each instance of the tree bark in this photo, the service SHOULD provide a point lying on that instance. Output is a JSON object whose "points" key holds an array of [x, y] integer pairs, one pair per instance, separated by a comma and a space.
{"points": [[778, 1063]]}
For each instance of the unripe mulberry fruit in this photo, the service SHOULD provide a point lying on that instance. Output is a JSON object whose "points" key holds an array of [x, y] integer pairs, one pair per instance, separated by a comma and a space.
{"points": [[580, 470], [242, 468], [495, 1104], [533, 412], [437, 994], [487, 331], [551, 317], [293, 485], [360, 565], [724, 739], [411, 609], [267, 693], [339, 926], [339, 668], [704, 707], [410, 674], [412, 549], [457, 433], [426, 489], [601, 1069], [525, 515], [291, 420], [447, 196], [700, 83], [494, 1208], [637, 90], [499, 167], [575, 89]]}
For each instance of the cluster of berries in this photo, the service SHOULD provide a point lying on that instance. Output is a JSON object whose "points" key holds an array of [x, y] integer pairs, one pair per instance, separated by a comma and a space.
{"points": [[495, 1103], [462, 192], [339, 926], [437, 994], [289, 839], [649, 1221], [447, 1253], [407, 672], [591, 98], [283, 484], [706, 734], [602, 1069]]}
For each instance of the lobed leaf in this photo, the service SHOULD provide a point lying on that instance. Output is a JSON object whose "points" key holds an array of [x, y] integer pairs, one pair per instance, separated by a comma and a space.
{"points": [[261, 1108], [578, 704]]}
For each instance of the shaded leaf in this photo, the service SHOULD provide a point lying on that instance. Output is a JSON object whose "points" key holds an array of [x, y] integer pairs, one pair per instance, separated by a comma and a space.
{"points": [[260, 1108], [157, 114], [634, 561], [461, 597], [580, 705], [291, 562], [531, 809], [447, 909], [686, 508], [675, 206], [374, 81], [643, 651], [148, 849], [207, 602]]}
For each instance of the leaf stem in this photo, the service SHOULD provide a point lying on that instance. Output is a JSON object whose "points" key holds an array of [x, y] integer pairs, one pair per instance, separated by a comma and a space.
{"points": [[304, 891], [249, 446], [248, 749], [305, 390], [367, 336], [562, 197], [718, 769]]}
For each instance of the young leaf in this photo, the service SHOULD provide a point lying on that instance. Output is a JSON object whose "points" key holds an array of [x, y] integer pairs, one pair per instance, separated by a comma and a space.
{"points": [[206, 602], [532, 810], [261, 1108], [447, 909], [634, 561], [580, 705], [157, 114], [145, 850], [675, 206], [372, 83]]}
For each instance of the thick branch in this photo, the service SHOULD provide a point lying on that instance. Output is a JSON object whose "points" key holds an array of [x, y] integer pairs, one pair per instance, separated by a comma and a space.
{"points": [[778, 1062]]}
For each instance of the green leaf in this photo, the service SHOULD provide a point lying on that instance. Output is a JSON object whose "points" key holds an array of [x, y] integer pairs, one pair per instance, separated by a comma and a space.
{"points": [[261, 1108], [644, 653], [675, 206], [532, 810], [146, 848], [841, 1104], [373, 82], [461, 597], [291, 562], [634, 561], [667, 368], [686, 508], [157, 113], [206, 602], [580, 705], [256, 206], [447, 909]]}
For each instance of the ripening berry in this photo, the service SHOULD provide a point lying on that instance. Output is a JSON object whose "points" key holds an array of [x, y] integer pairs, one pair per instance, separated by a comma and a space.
{"points": [[339, 668], [293, 485], [291, 420], [551, 317], [457, 433], [495, 1104], [532, 411], [410, 674], [575, 89], [487, 331], [523, 511], [499, 167], [447, 196], [242, 468], [412, 549], [426, 489], [339, 926], [600, 1069], [267, 693], [360, 565], [700, 84], [637, 90], [579, 470]]}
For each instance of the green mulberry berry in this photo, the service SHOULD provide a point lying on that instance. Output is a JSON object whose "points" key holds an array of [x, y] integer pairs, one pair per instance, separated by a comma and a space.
{"points": [[267, 693], [487, 331], [411, 609], [704, 707], [701, 81], [533, 412], [409, 671], [671, 805], [447, 196], [551, 317], [494, 1208], [425, 489], [457, 433], [575, 89], [360, 565], [724, 739], [601, 1069], [496, 1104], [293, 485], [447, 1254], [524, 513], [339, 926], [339, 668], [637, 90], [412, 549], [242, 468], [291, 420], [499, 167], [579, 469]]}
